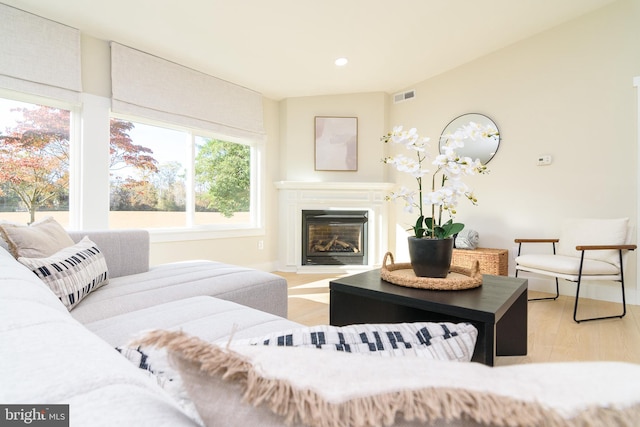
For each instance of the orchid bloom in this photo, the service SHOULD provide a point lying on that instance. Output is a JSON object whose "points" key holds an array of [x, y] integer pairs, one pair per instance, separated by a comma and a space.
{"points": [[449, 165], [405, 194], [406, 164]]}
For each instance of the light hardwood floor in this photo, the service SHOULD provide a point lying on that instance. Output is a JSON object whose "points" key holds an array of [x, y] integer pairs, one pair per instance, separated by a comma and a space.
{"points": [[553, 335]]}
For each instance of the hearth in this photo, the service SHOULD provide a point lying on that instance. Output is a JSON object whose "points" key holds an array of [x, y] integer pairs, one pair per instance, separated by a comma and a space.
{"points": [[334, 237]]}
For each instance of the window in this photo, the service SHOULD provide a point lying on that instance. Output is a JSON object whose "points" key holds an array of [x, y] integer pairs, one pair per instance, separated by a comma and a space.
{"points": [[148, 168], [223, 127], [34, 161], [168, 178]]}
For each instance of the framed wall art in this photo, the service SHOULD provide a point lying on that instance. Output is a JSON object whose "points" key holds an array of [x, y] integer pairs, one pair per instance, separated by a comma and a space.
{"points": [[336, 143]]}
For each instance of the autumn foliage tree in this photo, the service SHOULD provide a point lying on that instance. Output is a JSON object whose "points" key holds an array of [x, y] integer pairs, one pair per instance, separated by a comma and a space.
{"points": [[34, 158], [123, 152], [130, 193]]}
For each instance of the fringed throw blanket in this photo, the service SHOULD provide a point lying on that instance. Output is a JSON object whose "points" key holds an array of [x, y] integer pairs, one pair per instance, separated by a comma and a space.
{"points": [[304, 386]]}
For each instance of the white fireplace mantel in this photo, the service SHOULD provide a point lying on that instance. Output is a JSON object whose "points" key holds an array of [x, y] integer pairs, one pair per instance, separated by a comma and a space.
{"points": [[295, 196]]}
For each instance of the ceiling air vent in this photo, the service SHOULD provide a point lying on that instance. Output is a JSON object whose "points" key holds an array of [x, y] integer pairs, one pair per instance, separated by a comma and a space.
{"points": [[404, 96]]}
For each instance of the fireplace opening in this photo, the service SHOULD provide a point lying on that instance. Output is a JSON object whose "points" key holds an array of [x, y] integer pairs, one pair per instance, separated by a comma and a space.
{"points": [[334, 237]]}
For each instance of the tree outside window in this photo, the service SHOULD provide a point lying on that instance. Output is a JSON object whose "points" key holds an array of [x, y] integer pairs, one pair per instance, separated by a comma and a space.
{"points": [[34, 160], [223, 177]]}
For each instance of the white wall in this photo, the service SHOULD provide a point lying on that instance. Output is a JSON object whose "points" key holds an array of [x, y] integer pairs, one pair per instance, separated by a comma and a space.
{"points": [[298, 143], [567, 92]]}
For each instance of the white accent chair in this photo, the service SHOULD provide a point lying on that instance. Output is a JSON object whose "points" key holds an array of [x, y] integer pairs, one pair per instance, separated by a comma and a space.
{"points": [[587, 250]]}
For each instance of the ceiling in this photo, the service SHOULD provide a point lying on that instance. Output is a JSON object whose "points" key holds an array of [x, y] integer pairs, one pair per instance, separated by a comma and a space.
{"points": [[287, 48]]}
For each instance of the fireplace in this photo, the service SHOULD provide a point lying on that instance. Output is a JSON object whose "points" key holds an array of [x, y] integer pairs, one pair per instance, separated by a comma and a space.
{"points": [[334, 237], [295, 197]]}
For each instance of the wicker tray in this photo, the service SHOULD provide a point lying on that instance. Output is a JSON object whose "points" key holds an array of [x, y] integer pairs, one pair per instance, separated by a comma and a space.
{"points": [[459, 278]]}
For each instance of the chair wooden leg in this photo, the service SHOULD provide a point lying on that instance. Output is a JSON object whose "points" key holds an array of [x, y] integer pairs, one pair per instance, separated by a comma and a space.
{"points": [[624, 302]]}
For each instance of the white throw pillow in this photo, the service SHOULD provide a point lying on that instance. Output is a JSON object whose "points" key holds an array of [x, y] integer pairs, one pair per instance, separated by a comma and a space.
{"points": [[73, 272], [40, 239]]}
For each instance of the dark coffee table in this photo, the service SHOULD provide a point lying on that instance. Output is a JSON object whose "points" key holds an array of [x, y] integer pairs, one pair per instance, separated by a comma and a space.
{"points": [[498, 309]]}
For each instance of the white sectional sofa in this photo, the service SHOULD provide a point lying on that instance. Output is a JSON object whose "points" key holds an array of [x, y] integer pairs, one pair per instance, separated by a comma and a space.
{"points": [[134, 286], [50, 355]]}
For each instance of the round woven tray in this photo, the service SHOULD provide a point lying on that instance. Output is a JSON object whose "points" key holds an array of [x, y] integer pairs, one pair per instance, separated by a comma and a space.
{"points": [[459, 277]]}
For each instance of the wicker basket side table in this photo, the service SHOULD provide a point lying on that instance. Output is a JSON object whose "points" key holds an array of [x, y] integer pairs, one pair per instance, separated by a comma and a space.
{"points": [[492, 261]]}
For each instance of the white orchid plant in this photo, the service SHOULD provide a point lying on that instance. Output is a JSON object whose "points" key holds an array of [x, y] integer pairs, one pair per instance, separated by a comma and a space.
{"points": [[449, 169]]}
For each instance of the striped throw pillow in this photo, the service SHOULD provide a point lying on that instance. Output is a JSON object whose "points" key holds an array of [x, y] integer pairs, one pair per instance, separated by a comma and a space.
{"points": [[73, 272], [431, 340]]}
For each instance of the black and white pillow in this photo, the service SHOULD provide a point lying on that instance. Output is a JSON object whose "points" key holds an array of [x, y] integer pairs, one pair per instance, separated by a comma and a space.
{"points": [[155, 365], [73, 272], [153, 362], [441, 341]]}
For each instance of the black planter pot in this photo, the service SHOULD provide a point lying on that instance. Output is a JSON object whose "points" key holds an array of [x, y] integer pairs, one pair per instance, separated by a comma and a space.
{"points": [[430, 257]]}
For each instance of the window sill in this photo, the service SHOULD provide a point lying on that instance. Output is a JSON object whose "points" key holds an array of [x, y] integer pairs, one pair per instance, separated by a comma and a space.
{"points": [[160, 235]]}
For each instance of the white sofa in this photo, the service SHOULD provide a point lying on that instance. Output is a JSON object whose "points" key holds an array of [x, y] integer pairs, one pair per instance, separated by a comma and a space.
{"points": [[49, 355]]}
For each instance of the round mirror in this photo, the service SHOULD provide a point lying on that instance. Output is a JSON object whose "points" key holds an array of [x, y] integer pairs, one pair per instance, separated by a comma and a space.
{"points": [[483, 149]]}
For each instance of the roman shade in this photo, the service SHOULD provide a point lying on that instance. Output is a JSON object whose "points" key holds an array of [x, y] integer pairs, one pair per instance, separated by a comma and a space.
{"points": [[148, 86], [39, 56]]}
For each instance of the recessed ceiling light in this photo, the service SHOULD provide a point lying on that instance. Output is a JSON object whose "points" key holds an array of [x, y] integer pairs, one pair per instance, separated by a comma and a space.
{"points": [[341, 62]]}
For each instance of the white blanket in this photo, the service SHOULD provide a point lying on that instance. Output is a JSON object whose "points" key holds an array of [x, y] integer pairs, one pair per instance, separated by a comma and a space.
{"points": [[467, 239]]}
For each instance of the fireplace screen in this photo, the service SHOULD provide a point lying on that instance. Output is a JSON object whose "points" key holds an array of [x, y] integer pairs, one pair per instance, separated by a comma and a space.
{"points": [[331, 237]]}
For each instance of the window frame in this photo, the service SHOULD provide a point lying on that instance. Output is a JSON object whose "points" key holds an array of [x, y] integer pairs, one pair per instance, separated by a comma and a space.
{"points": [[192, 231], [75, 141], [79, 186]]}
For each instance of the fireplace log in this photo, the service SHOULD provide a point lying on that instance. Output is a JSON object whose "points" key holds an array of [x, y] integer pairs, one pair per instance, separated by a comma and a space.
{"points": [[347, 245], [327, 245]]}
